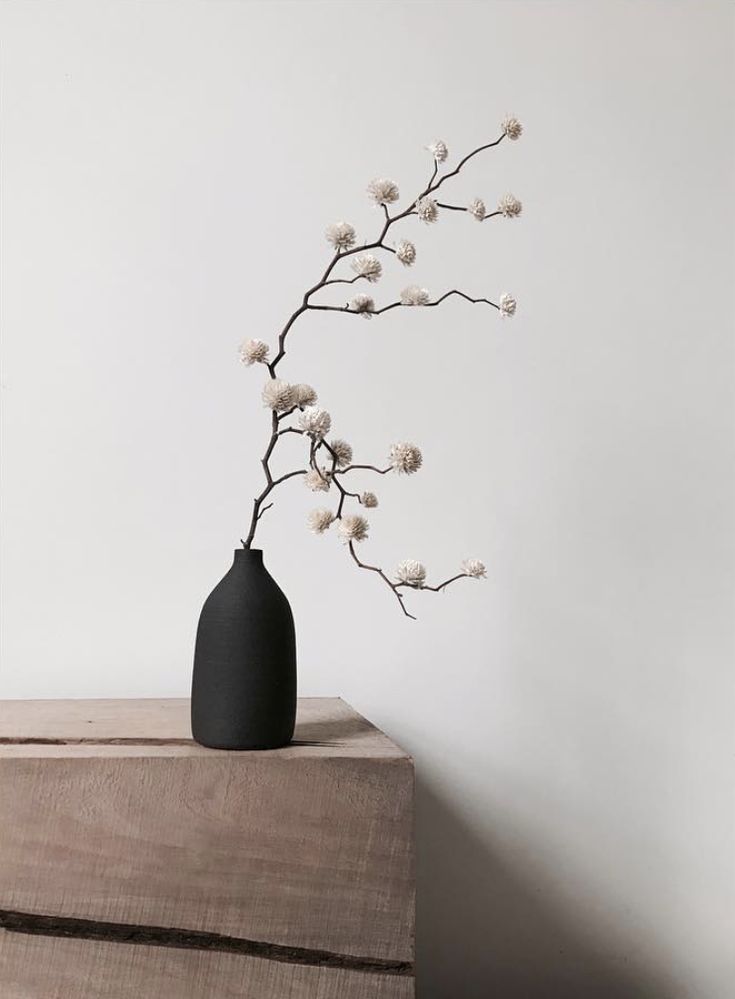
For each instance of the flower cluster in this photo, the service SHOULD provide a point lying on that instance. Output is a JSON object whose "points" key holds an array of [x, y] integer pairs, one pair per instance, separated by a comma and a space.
{"points": [[320, 520], [315, 421], [353, 527], [413, 295], [304, 395], [477, 209], [318, 480], [367, 266], [342, 452], [512, 127], [405, 458], [411, 573], [474, 567], [341, 235], [383, 191], [363, 304], [510, 206], [278, 395], [406, 253], [427, 209], [253, 352], [507, 305], [438, 150]]}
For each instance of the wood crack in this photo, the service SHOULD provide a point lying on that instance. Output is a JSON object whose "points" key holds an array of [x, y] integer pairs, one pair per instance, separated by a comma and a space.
{"points": [[37, 924]]}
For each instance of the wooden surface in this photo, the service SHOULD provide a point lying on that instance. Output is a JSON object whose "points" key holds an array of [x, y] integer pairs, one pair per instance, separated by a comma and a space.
{"points": [[279, 873]]}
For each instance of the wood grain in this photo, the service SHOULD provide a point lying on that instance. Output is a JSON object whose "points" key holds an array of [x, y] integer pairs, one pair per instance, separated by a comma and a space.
{"points": [[308, 848], [49, 968]]}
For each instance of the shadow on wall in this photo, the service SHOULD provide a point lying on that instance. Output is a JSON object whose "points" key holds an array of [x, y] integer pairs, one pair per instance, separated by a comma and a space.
{"points": [[484, 932]]}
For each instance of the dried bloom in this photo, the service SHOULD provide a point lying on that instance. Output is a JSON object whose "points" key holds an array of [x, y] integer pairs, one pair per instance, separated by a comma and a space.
{"points": [[353, 527], [253, 352], [341, 235], [412, 573], [315, 421], [368, 267], [342, 452], [304, 395], [477, 209], [427, 209], [510, 206], [278, 395], [363, 304], [405, 458], [318, 480], [438, 150], [507, 305], [512, 127], [383, 191], [406, 252], [369, 500], [474, 567], [413, 295], [320, 520]]}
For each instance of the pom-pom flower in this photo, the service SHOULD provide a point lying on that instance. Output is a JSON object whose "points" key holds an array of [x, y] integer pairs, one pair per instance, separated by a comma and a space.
{"points": [[510, 206], [341, 235], [304, 395], [507, 305], [512, 127], [474, 567], [253, 352], [438, 150], [342, 452], [315, 422], [369, 500], [320, 520], [367, 266], [383, 191], [411, 573], [427, 209], [318, 480], [363, 304], [406, 252], [405, 458], [278, 395], [477, 209], [413, 295], [353, 527]]}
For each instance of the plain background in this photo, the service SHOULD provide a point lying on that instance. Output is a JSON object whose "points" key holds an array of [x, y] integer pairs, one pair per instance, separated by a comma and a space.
{"points": [[168, 172]]}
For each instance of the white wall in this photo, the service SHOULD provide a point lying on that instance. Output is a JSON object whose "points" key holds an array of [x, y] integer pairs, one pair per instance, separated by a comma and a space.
{"points": [[169, 169]]}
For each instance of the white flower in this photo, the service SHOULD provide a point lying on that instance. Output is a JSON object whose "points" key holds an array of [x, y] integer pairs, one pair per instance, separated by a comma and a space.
{"points": [[353, 527], [342, 451], [341, 235], [507, 305], [304, 395], [368, 267], [406, 252], [474, 567], [383, 191], [278, 395], [363, 304], [438, 150], [510, 206], [315, 422], [320, 520], [253, 352], [413, 295], [477, 209], [427, 209], [512, 127], [412, 573], [369, 500], [405, 458], [318, 480]]}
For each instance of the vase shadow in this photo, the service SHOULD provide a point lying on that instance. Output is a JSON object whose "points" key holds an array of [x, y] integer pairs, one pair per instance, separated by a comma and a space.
{"points": [[484, 930]]}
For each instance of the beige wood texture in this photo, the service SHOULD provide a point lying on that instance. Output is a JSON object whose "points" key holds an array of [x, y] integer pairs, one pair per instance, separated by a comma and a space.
{"points": [[109, 813], [48, 968]]}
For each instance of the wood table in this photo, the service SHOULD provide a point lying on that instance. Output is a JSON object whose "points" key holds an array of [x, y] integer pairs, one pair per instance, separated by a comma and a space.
{"points": [[135, 863]]}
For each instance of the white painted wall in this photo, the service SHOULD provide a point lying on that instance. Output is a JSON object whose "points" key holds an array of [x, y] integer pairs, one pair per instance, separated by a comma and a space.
{"points": [[168, 170]]}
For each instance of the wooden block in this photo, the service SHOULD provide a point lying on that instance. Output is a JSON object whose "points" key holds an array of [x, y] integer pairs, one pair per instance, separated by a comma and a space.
{"points": [[135, 862]]}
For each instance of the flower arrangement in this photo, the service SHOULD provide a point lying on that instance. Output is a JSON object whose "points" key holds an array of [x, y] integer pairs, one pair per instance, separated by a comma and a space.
{"points": [[293, 407]]}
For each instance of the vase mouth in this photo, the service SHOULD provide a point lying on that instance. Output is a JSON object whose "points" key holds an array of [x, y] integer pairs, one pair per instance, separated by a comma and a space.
{"points": [[249, 553]]}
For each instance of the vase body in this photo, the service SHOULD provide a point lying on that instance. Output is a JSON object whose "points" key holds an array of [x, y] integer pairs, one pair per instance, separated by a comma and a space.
{"points": [[243, 692]]}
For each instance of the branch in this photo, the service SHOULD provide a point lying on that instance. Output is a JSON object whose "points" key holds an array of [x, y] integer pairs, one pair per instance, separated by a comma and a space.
{"points": [[375, 568]]}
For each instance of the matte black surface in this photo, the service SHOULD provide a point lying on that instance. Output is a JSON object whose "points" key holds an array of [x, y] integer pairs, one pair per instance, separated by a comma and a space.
{"points": [[244, 686]]}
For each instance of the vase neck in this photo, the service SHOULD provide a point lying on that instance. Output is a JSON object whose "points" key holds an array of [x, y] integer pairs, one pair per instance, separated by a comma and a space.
{"points": [[248, 556]]}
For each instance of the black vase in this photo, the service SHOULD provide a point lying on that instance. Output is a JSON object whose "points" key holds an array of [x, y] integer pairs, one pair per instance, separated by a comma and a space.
{"points": [[243, 693]]}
